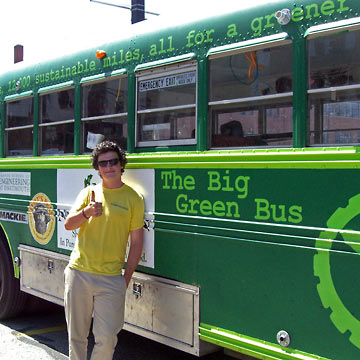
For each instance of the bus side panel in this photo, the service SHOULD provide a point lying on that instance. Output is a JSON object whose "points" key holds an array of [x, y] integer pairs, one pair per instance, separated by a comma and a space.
{"points": [[267, 249], [175, 254], [258, 289], [25, 217]]}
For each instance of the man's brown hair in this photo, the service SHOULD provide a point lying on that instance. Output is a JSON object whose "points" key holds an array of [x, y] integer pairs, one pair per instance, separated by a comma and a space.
{"points": [[104, 147]]}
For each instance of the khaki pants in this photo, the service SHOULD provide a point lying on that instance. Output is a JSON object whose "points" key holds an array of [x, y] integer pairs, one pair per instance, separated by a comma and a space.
{"points": [[101, 296]]}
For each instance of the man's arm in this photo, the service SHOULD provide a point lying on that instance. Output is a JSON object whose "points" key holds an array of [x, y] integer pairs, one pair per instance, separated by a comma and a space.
{"points": [[136, 246], [75, 220]]}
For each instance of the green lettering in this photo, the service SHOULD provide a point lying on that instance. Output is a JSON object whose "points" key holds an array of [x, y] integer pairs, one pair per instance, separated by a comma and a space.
{"points": [[297, 14], [241, 185], [189, 182], [227, 186], [107, 62], [181, 205], [268, 18], [308, 11], [121, 52], [205, 208], [80, 67], [327, 7], [208, 38], [256, 25], [153, 51], [86, 69], [92, 65], [166, 175], [219, 208], [177, 182], [232, 31], [342, 8], [214, 183], [177, 178], [171, 48], [162, 51], [114, 62], [295, 214], [128, 56], [136, 54], [262, 209], [282, 217], [193, 203], [199, 38], [235, 207]]}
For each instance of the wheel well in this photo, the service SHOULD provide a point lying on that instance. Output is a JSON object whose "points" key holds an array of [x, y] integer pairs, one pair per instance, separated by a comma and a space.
{"points": [[5, 241]]}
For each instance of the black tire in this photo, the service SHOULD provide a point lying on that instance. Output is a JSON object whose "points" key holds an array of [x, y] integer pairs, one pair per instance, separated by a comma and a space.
{"points": [[12, 300]]}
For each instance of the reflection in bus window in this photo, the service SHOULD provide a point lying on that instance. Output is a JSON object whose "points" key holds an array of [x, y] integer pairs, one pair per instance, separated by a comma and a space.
{"points": [[251, 91], [166, 107], [104, 113], [334, 89], [57, 122], [19, 127]]}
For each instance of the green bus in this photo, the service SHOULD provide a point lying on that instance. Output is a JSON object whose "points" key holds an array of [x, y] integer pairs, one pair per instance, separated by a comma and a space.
{"points": [[242, 133]]}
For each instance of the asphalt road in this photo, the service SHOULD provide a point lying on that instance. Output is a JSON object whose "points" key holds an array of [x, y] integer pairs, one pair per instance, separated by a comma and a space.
{"points": [[42, 335]]}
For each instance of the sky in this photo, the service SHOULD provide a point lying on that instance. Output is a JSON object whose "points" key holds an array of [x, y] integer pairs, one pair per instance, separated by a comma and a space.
{"points": [[51, 28]]}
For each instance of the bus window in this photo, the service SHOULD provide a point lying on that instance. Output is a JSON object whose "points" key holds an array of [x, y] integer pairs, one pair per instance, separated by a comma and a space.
{"points": [[166, 106], [57, 122], [250, 98], [334, 89], [104, 113], [19, 127]]}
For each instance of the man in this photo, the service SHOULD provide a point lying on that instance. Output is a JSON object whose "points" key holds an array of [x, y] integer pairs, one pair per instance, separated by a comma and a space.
{"points": [[94, 286]]}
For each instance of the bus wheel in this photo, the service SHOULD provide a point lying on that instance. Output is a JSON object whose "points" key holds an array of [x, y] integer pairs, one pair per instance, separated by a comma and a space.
{"points": [[12, 300]]}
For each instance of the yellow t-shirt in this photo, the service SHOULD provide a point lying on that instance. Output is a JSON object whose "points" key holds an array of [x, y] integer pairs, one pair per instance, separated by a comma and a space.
{"points": [[101, 243]]}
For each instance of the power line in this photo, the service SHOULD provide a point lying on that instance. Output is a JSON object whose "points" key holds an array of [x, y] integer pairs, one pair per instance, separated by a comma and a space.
{"points": [[127, 7]]}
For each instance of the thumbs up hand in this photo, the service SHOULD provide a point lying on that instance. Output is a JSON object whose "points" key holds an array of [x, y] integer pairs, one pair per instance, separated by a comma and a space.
{"points": [[94, 209]]}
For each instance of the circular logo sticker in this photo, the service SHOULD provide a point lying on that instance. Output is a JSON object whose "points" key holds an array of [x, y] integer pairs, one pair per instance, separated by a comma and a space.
{"points": [[41, 218], [341, 317]]}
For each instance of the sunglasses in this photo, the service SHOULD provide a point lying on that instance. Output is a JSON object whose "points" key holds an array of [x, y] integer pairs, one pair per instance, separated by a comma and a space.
{"points": [[111, 162]]}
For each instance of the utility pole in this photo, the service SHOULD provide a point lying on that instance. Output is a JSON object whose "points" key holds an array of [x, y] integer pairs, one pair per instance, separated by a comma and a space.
{"points": [[137, 11]]}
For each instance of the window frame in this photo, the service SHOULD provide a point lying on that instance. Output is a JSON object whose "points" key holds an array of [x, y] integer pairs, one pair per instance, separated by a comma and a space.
{"points": [[121, 74], [11, 99], [163, 71], [47, 91], [240, 48], [319, 31]]}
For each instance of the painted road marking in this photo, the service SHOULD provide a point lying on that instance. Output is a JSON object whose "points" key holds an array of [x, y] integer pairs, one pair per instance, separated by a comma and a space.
{"points": [[42, 331]]}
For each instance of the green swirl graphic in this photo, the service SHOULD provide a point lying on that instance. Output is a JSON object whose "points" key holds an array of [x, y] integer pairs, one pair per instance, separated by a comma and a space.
{"points": [[340, 315]]}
